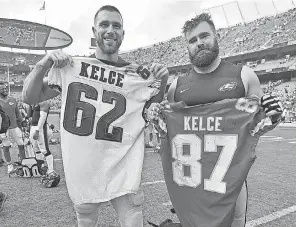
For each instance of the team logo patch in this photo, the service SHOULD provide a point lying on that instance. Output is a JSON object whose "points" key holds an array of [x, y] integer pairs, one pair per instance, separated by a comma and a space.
{"points": [[11, 103], [228, 86]]}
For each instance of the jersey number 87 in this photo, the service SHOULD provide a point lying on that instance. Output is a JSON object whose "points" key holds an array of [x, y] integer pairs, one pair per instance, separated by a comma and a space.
{"points": [[86, 124], [192, 160]]}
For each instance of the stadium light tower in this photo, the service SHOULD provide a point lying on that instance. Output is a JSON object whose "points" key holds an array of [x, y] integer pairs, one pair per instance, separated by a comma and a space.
{"points": [[239, 9], [256, 8], [225, 16], [274, 7]]}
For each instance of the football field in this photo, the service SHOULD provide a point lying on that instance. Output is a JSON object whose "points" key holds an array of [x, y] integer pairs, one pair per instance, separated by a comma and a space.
{"points": [[271, 183]]}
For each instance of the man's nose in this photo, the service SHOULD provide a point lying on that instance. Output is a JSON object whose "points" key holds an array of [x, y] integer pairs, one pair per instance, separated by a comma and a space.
{"points": [[110, 29]]}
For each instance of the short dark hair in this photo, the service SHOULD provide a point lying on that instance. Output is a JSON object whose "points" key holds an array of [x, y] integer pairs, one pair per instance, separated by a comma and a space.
{"points": [[190, 24], [107, 8]]}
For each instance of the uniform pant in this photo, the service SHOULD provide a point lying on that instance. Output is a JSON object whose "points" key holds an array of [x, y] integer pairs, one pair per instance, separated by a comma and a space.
{"points": [[15, 134], [128, 208], [42, 143]]}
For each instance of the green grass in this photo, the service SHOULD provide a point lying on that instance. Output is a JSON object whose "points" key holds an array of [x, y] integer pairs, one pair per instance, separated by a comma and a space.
{"points": [[271, 188]]}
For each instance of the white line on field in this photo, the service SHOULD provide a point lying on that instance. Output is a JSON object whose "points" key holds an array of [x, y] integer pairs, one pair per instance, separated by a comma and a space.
{"points": [[271, 217], [276, 140], [153, 182], [265, 219]]}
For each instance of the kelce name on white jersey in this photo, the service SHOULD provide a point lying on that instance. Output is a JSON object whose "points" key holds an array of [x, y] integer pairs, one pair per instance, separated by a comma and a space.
{"points": [[113, 77], [198, 123]]}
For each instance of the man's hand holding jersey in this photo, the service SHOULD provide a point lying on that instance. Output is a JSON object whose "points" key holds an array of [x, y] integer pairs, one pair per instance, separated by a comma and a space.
{"points": [[272, 107], [159, 71], [153, 116], [57, 59]]}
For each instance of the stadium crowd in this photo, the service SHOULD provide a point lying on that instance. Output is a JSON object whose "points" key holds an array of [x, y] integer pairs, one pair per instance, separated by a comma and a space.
{"points": [[259, 34], [9, 57]]}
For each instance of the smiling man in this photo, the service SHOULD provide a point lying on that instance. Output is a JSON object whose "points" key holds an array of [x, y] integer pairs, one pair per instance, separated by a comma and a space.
{"points": [[102, 125]]}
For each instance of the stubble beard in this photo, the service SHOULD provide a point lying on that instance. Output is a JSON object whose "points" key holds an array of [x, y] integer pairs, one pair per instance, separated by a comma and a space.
{"points": [[109, 49]]}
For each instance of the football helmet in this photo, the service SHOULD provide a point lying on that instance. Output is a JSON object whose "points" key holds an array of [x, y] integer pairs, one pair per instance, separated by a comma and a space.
{"points": [[50, 180], [29, 167]]}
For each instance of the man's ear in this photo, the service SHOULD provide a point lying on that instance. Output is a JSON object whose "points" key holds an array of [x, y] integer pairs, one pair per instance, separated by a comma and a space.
{"points": [[94, 30]]}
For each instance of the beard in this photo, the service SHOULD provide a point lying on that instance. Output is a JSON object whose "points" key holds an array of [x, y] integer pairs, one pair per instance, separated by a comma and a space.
{"points": [[109, 49], [205, 56]]}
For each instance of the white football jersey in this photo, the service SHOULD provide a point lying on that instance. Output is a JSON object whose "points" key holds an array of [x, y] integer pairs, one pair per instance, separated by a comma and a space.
{"points": [[102, 129]]}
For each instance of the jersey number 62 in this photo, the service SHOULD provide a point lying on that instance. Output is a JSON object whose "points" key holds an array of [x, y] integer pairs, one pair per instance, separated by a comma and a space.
{"points": [[88, 112]]}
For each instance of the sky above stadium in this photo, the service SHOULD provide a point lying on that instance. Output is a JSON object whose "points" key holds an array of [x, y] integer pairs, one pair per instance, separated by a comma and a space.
{"points": [[145, 21]]}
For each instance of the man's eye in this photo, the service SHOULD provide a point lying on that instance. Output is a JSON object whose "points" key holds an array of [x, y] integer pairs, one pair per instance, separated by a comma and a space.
{"points": [[204, 36], [192, 40]]}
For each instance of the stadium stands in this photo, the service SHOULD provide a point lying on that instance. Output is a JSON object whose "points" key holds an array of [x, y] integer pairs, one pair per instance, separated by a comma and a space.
{"points": [[12, 57], [263, 33], [259, 34]]}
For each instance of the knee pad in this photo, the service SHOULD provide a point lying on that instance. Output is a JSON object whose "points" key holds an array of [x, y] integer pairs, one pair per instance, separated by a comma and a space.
{"points": [[134, 216], [87, 215], [137, 199], [85, 208]]}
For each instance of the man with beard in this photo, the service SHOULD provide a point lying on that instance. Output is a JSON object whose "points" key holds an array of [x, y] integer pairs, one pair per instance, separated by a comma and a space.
{"points": [[212, 80], [10, 107], [102, 137]]}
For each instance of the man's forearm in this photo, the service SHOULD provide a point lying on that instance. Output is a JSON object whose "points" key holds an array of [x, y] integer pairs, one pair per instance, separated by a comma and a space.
{"points": [[33, 84], [42, 119]]}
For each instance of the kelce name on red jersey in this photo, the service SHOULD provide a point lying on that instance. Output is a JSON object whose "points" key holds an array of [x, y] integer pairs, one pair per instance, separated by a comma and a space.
{"points": [[113, 77], [197, 123]]}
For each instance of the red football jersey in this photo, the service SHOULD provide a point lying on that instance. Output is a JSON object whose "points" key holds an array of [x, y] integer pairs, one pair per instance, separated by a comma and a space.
{"points": [[206, 156]]}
